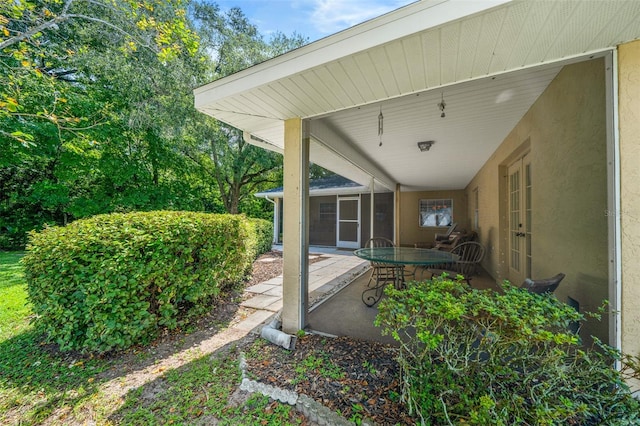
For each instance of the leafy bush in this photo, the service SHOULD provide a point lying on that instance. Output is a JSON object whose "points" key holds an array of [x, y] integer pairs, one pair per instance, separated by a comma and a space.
{"points": [[482, 357], [262, 235], [115, 280]]}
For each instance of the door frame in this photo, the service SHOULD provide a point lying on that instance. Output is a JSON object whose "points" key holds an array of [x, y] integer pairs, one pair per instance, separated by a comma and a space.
{"points": [[523, 233], [348, 244]]}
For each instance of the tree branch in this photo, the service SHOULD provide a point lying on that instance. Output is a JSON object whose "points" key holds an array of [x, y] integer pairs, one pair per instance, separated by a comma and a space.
{"points": [[38, 28], [64, 16]]}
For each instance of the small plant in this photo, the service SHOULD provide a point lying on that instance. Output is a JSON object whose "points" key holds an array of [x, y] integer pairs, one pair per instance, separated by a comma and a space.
{"points": [[481, 357], [369, 367], [631, 368], [321, 364], [357, 411]]}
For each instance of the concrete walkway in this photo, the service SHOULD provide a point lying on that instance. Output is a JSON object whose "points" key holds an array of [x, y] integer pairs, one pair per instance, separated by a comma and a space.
{"points": [[337, 269]]}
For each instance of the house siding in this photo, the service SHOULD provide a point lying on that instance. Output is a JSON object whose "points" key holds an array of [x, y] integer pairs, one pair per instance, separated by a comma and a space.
{"points": [[629, 125], [564, 133]]}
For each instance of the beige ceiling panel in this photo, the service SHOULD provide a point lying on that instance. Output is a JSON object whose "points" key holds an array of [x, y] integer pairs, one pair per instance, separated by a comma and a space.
{"points": [[383, 67], [332, 89], [327, 99], [369, 73], [449, 44], [613, 34], [311, 95], [346, 84], [491, 27], [257, 104], [356, 77], [284, 104], [470, 32], [415, 60], [514, 20], [302, 103], [431, 43], [532, 41], [397, 59], [238, 110]]}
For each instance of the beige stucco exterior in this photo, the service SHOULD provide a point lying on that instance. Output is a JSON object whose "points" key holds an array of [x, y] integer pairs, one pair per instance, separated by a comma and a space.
{"points": [[629, 125], [564, 134], [410, 231]]}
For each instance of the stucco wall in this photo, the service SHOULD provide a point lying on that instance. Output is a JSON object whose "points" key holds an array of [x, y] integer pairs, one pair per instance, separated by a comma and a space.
{"points": [[410, 230], [629, 113], [565, 135]]}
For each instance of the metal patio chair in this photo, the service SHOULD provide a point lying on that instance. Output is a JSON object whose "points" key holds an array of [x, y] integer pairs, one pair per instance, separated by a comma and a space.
{"points": [[546, 285], [470, 255], [381, 273]]}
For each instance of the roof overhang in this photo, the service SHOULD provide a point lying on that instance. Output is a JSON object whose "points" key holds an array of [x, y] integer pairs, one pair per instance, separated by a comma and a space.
{"points": [[354, 190], [493, 57]]}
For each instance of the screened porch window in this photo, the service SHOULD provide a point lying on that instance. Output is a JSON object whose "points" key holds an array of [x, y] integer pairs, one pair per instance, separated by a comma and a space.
{"points": [[327, 212], [436, 212]]}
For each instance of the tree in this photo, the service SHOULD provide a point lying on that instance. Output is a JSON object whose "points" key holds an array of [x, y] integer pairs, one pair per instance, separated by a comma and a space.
{"points": [[237, 168], [39, 39], [96, 111], [62, 130]]}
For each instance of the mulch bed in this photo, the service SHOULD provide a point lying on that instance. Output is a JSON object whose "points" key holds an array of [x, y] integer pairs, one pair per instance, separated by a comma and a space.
{"points": [[359, 379]]}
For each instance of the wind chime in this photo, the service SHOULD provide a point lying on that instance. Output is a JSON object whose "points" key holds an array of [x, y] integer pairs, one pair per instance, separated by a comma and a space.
{"points": [[380, 126]]}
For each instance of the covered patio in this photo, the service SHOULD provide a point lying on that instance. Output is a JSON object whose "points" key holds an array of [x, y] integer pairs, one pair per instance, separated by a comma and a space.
{"points": [[530, 113], [356, 318]]}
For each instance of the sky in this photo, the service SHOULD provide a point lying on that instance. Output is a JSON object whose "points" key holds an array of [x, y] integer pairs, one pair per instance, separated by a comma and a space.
{"points": [[314, 19]]}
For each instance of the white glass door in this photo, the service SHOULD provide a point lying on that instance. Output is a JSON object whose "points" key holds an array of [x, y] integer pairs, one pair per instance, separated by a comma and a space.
{"points": [[520, 220]]}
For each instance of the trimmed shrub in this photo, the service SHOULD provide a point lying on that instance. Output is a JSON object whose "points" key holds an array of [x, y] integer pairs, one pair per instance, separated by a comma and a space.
{"points": [[112, 281], [481, 357], [262, 235]]}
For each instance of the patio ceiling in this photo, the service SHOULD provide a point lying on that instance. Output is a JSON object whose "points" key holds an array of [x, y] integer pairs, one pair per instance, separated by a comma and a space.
{"points": [[490, 60]]}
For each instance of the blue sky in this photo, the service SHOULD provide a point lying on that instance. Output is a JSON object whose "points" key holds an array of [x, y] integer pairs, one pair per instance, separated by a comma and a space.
{"points": [[311, 18]]}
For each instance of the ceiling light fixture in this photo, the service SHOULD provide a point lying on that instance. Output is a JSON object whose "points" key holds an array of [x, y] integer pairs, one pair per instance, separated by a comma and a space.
{"points": [[425, 145], [441, 105], [380, 125]]}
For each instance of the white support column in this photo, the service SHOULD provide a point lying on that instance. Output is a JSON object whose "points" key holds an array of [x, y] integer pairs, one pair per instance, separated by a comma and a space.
{"points": [[276, 220], [397, 213], [295, 289], [372, 213]]}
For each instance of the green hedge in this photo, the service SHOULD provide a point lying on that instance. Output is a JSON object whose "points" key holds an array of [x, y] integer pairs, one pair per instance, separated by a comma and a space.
{"points": [[262, 231], [112, 281], [477, 357]]}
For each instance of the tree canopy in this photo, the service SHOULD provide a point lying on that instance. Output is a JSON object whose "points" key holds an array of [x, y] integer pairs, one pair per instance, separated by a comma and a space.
{"points": [[96, 111]]}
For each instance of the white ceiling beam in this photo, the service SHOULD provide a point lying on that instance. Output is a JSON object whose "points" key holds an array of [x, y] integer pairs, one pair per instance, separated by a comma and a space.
{"points": [[322, 134]]}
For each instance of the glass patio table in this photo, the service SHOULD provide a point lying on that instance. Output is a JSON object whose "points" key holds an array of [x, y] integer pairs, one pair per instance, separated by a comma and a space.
{"points": [[397, 258]]}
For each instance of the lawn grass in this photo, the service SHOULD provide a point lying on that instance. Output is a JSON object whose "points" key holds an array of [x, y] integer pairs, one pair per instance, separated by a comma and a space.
{"points": [[14, 309], [37, 381]]}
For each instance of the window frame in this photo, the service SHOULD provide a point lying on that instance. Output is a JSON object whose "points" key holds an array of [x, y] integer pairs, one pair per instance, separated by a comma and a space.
{"points": [[435, 204]]}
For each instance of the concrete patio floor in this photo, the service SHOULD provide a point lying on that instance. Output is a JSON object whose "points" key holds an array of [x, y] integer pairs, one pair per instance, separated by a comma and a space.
{"points": [[326, 277], [344, 313], [335, 288]]}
